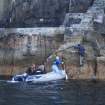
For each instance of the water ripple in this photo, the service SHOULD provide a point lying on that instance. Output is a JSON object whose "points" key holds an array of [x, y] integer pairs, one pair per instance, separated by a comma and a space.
{"points": [[73, 92]]}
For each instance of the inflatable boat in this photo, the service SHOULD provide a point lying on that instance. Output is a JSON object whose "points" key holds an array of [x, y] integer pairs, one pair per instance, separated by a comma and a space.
{"points": [[51, 76]]}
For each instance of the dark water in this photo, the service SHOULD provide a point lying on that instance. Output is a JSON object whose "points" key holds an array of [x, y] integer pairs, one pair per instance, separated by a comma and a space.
{"points": [[54, 93]]}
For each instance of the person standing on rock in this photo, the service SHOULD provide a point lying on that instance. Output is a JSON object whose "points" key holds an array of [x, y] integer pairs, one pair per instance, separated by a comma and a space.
{"points": [[56, 61], [56, 65], [81, 51]]}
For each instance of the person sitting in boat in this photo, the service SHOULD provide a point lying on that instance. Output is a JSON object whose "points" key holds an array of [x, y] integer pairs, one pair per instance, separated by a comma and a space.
{"points": [[39, 70], [42, 67], [31, 69]]}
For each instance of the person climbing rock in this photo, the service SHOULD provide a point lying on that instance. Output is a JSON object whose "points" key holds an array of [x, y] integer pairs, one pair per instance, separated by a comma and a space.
{"points": [[81, 51]]}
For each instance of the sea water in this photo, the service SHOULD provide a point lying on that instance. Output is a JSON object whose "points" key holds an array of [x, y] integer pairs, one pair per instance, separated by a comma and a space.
{"points": [[71, 92]]}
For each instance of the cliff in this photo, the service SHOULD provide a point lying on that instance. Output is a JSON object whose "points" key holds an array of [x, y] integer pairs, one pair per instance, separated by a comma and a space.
{"points": [[39, 13], [20, 48], [94, 62], [83, 23], [15, 56]]}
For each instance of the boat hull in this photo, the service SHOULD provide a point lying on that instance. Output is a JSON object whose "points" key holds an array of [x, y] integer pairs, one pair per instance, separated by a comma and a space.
{"points": [[51, 76]]}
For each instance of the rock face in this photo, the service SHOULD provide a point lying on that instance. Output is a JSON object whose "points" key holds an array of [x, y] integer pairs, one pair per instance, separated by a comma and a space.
{"points": [[16, 56], [21, 47], [101, 67], [3, 7], [91, 20], [74, 70], [19, 50], [94, 66], [39, 13]]}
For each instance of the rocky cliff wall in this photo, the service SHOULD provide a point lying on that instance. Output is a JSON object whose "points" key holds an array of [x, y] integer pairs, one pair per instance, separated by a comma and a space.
{"points": [[14, 62], [94, 62], [19, 51], [40, 13]]}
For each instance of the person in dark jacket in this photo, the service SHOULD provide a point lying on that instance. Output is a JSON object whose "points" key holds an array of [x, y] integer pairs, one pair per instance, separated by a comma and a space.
{"points": [[81, 51], [39, 70], [31, 69]]}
